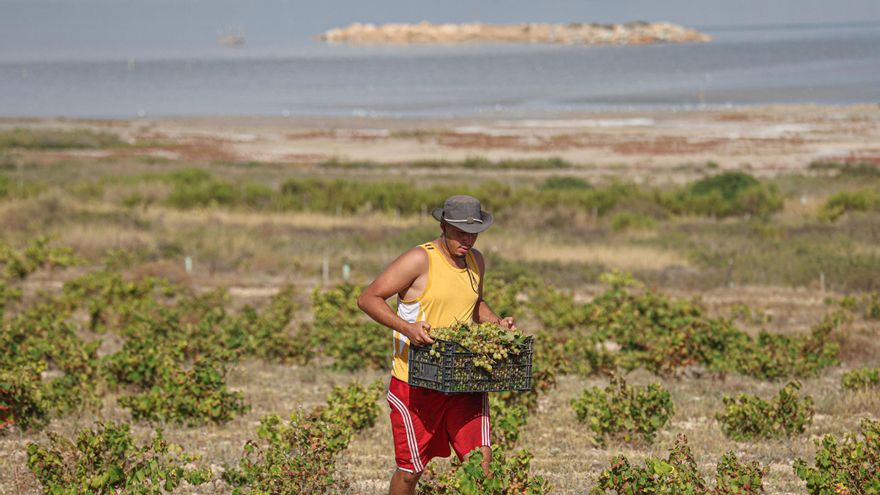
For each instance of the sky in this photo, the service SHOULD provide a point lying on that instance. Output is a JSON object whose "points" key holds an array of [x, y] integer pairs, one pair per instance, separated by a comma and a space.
{"points": [[110, 29]]}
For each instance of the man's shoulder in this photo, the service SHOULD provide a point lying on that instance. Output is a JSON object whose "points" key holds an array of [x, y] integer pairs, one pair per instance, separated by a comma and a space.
{"points": [[414, 257]]}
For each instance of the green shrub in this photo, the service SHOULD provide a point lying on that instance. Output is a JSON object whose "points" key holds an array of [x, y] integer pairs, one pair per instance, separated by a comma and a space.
{"points": [[723, 195], [872, 306], [108, 297], [664, 334], [864, 378], [6, 187], [777, 356], [847, 466], [509, 475], [861, 170], [679, 474], [107, 461], [299, 457], [266, 333], [194, 396], [624, 410], [748, 417], [867, 304], [8, 294], [197, 188], [141, 362], [503, 287], [53, 139], [587, 357], [555, 310], [628, 220], [508, 418], [41, 336], [659, 333], [565, 182], [843, 202], [343, 332], [21, 397], [37, 254]]}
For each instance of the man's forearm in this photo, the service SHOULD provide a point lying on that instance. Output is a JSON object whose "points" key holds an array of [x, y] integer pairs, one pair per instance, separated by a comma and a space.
{"points": [[485, 313]]}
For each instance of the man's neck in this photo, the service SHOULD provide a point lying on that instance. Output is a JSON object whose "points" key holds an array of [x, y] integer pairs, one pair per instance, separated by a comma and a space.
{"points": [[458, 261]]}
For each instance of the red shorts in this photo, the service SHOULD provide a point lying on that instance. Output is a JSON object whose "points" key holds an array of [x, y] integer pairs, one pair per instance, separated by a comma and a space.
{"points": [[424, 422]]}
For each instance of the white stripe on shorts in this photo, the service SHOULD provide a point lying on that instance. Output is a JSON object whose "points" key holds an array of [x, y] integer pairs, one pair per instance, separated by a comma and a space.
{"points": [[487, 438], [410, 431]]}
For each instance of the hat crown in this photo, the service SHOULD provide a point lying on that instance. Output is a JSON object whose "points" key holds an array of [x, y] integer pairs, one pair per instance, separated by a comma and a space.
{"points": [[464, 213], [462, 207]]}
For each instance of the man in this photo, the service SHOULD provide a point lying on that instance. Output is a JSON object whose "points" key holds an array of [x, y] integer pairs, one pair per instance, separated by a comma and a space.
{"points": [[437, 284]]}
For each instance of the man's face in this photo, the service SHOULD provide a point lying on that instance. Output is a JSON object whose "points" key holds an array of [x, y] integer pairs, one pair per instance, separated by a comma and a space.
{"points": [[458, 241]]}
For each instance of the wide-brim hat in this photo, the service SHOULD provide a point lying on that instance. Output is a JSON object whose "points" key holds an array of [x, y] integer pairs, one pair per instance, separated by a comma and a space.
{"points": [[464, 213]]}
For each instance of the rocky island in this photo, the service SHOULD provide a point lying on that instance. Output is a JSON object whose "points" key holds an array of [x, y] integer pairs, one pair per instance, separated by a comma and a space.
{"points": [[631, 33]]}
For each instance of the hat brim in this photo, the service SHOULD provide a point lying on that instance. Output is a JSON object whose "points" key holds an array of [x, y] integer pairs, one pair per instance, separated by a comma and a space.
{"points": [[470, 228]]}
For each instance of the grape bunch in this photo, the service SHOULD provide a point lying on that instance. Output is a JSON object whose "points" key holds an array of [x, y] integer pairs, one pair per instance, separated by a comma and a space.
{"points": [[489, 341]]}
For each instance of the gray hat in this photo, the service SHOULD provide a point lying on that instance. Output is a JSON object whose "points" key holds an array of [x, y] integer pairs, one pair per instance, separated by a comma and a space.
{"points": [[464, 213]]}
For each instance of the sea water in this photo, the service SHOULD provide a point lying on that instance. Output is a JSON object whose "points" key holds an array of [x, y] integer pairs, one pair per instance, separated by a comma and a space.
{"points": [[834, 63]]}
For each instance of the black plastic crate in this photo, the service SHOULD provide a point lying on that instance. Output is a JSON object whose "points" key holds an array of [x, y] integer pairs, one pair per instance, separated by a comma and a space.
{"points": [[453, 371]]}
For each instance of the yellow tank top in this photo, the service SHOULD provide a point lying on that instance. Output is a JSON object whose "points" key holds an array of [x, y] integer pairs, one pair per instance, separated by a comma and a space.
{"points": [[448, 298]]}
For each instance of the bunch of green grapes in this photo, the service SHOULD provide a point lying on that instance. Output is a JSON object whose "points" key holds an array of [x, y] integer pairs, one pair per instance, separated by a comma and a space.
{"points": [[491, 342]]}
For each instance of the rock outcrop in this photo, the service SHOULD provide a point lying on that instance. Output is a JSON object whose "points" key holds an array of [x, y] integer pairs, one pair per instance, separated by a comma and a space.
{"points": [[633, 33]]}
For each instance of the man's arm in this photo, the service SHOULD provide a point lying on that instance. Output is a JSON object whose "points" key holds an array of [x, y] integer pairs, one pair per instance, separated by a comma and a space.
{"points": [[396, 278], [483, 313]]}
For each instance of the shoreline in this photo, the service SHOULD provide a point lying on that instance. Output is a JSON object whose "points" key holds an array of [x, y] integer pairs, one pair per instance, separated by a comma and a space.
{"points": [[764, 139]]}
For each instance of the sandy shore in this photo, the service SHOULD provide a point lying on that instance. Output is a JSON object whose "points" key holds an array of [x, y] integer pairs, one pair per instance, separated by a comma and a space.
{"points": [[765, 140]]}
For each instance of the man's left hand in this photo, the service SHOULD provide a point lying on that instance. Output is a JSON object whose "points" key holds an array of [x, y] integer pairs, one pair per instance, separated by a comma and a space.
{"points": [[507, 323]]}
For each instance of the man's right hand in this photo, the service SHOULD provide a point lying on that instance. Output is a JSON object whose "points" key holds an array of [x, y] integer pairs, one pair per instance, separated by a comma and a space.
{"points": [[417, 333]]}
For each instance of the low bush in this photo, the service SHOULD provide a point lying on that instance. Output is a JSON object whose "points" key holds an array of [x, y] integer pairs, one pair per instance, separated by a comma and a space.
{"points": [[773, 356], [665, 334], [867, 304], [107, 297], [678, 474], [299, 457], [53, 139], [724, 195], [850, 465], [748, 417], [197, 188], [343, 332], [565, 182], [859, 170], [107, 461], [141, 362], [8, 295], [19, 263], [266, 333], [41, 336], [509, 475], [624, 410], [189, 396], [21, 397], [508, 418], [861, 379], [843, 202], [628, 220], [587, 357]]}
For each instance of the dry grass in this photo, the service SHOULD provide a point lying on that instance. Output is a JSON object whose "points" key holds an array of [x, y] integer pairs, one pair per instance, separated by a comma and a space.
{"points": [[306, 220], [622, 257]]}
